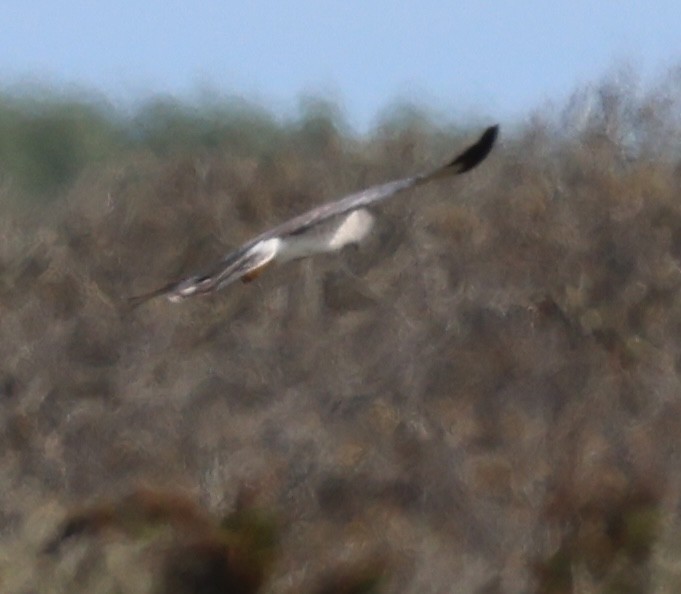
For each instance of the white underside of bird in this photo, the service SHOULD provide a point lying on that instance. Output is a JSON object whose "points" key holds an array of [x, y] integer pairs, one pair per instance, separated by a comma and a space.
{"points": [[330, 237]]}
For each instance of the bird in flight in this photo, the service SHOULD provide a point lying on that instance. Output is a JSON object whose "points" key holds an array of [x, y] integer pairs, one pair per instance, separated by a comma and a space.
{"points": [[326, 228]]}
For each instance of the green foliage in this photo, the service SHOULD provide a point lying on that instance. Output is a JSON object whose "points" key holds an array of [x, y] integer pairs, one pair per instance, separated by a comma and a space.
{"points": [[47, 140], [167, 127], [45, 143]]}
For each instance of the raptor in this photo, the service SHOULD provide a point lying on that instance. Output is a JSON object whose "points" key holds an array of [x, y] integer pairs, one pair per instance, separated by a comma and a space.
{"points": [[326, 228]]}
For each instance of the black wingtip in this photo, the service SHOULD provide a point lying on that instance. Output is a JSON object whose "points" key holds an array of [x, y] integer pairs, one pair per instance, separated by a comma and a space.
{"points": [[476, 154]]}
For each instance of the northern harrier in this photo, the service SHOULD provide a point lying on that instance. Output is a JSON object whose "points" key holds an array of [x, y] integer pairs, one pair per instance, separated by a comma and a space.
{"points": [[326, 228]]}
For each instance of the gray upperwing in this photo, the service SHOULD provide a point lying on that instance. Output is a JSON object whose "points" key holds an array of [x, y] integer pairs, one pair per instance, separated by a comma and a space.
{"points": [[471, 157], [235, 265], [245, 262], [354, 201]]}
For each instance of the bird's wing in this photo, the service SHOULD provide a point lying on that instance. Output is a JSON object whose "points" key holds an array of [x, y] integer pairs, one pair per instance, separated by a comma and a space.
{"points": [[248, 264], [244, 263], [467, 160], [260, 251]]}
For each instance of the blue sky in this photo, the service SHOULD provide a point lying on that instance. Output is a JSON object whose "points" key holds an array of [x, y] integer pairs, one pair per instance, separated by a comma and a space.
{"points": [[493, 58]]}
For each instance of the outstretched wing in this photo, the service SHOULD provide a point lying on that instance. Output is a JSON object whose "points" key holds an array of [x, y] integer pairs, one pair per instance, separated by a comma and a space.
{"points": [[467, 160], [245, 263]]}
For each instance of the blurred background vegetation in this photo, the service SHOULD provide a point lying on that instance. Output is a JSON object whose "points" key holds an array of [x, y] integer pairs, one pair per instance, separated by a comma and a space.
{"points": [[48, 139], [482, 398]]}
